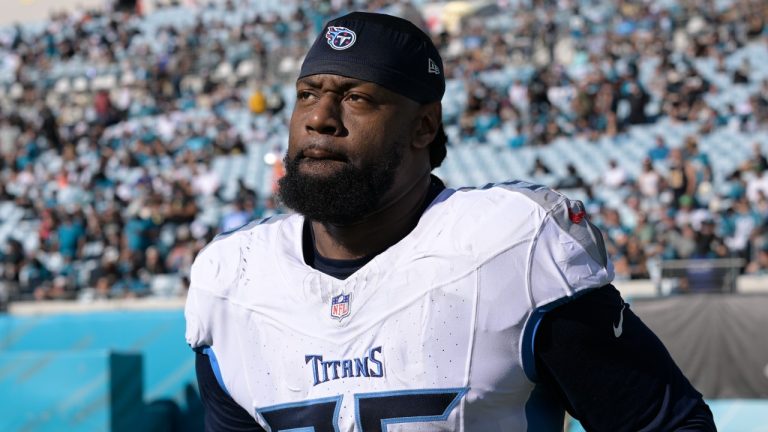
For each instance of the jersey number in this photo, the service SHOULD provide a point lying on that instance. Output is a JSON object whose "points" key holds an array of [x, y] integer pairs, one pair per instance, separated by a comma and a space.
{"points": [[374, 411]]}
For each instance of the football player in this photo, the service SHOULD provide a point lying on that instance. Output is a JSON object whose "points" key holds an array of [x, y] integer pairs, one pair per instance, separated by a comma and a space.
{"points": [[390, 302]]}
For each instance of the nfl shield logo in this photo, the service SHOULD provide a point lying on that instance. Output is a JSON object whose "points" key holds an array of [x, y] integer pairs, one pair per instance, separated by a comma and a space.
{"points": [[340, 306]]}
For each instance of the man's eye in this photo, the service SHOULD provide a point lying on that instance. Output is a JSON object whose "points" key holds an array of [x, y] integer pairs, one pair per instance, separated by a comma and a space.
{"points": [[304, 95], [358, 98]]}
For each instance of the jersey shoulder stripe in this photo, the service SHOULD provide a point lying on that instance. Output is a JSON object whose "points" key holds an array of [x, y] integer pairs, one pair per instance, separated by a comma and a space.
{"points": [[539, 194]]}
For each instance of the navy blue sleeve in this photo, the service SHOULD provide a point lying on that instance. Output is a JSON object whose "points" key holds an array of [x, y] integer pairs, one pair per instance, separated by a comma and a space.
{"points": [[611, 371], [222, 413]]}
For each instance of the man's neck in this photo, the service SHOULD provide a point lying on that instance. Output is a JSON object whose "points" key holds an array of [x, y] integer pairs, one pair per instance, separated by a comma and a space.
{"points": [[375, 232]]}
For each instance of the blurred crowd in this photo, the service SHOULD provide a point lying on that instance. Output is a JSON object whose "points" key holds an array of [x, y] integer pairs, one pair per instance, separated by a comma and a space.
{"points": [[114, 180], [600, 67], [677, 215], [110, 122]]}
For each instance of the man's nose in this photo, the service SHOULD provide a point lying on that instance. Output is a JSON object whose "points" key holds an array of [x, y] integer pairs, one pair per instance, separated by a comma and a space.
{"points": [[325, 117]]}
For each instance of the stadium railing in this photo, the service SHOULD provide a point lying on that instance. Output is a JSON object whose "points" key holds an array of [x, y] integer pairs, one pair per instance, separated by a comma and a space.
{"points": [[698, 275]]}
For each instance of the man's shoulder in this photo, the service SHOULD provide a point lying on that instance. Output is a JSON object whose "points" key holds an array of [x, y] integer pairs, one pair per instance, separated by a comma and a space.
{"points": [[220, 272], [493, 217], [227, 248], [519, 208], [517, 194], [255, 228]]}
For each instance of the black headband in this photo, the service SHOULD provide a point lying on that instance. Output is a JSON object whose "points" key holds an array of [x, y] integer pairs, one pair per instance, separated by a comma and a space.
{"points": [[382, 49]]}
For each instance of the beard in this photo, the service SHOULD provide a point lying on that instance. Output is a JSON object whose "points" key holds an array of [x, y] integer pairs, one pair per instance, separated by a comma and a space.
{"points": [[341, 198]]}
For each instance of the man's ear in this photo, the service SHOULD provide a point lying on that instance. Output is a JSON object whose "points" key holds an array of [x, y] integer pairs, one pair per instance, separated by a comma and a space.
{"points": [[427, 123]]}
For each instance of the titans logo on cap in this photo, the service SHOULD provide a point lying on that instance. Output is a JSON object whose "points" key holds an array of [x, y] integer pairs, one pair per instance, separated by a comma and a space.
{"points": [[340, 38]]}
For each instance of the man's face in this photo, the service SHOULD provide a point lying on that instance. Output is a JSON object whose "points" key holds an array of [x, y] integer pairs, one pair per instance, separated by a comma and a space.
{"points": [[348, 150]]}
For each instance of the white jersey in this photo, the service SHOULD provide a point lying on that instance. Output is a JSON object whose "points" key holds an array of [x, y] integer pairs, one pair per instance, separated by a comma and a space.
{"points": [[435, 333]]}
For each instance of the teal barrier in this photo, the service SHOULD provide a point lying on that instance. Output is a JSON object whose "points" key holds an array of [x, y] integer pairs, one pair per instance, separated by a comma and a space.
{"points": [[68, 390], [96, 371]]}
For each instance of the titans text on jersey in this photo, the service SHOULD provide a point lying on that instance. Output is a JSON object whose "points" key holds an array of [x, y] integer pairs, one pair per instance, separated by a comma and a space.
{"points": [[437, 331], [324, 371]]}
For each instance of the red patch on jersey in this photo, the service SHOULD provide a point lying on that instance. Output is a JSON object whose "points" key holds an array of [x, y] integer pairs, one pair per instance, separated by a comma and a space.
{"points": [[576, 216]]}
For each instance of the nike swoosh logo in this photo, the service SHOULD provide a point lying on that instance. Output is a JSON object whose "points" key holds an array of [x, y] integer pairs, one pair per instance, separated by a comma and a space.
{"points": [[617, 330]]}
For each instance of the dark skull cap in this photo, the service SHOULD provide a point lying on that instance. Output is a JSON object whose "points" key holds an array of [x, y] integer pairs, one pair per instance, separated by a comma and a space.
{"points": [[383, 49]]}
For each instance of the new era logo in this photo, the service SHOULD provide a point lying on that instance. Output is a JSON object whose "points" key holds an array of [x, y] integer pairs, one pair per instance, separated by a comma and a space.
{"points": [[433, 67]]}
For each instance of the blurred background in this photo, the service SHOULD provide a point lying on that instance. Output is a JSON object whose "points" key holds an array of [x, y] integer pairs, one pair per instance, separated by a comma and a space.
{"points": [[134, 131]]}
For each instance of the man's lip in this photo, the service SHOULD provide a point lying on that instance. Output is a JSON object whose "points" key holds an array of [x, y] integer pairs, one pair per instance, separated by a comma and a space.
{"points": [[319, 153]]}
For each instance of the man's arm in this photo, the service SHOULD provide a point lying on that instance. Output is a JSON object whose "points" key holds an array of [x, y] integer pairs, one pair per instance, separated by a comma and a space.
{"points": [[222, 413], [612, 372]]}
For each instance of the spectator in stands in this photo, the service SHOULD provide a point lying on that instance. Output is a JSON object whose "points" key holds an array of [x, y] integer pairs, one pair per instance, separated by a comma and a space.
{"points": [[757, 184], [741, 74], [139, 231], [757, 163], [538, 97], [615, 176], [759, 265], [611, 224], [637, 98], [708, 243], [34, 278], [689, 214], [698, 160], [130, 285], [181, 255], [181, 207], [571, 180], [683, 241], [635, 258], [152, 264], [734, 187], [539, 168], [744, 220], [70, 235], [205, 181], [660, 151], [645, 232], [12, 256], [649, 181], [681, 177], [759, 104], [60, 288]]}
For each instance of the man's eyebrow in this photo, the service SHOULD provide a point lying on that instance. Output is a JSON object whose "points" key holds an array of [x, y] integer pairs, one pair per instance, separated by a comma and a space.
{"points": [[310, 82], [343, 83]]}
